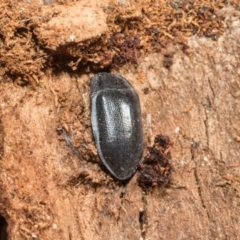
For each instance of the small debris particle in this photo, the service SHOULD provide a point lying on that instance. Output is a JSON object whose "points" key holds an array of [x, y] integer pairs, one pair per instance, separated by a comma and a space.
{"points": [[237, 138], [54, 226], [34, 236], [149, 120], [196, 144], [168, 60], [236, 127], [188, 108], [72, 38], [146, 90], [156, 167], [205, 159], [177, 129]]}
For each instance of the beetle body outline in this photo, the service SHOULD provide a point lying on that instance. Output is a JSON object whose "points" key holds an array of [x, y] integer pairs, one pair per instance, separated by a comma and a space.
{"points": [[116, 123]]}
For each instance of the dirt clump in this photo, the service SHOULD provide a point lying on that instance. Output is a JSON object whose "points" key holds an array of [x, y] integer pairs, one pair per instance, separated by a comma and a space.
{"points": [[156, 167]]}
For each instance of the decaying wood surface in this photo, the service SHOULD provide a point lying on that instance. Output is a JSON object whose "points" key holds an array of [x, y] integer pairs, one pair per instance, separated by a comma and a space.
{"points": [[52, 183]]}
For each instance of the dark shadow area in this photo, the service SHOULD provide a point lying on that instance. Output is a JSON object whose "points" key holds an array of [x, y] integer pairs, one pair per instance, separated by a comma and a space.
{"points": [[3, 228]]}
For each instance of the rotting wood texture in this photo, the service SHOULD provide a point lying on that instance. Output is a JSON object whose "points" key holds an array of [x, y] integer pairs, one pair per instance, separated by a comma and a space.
{"points": [[53, 185]]}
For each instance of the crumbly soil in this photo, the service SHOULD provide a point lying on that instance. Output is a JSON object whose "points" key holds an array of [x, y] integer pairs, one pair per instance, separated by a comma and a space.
{"points": [[182, 57]]}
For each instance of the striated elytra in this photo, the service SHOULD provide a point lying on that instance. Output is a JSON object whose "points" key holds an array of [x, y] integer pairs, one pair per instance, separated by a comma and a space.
{"points": [[116, 123]]}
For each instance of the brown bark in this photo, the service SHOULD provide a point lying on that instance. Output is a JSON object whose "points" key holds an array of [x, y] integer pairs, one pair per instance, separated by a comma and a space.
{"points": [[52, 183]]}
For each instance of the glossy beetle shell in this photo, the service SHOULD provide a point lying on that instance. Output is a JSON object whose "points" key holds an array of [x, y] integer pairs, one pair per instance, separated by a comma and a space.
{"points": [[116, 123]]}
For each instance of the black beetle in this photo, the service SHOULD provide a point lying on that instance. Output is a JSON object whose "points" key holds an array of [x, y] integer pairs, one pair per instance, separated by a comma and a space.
{"points": [[116, 123]]}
